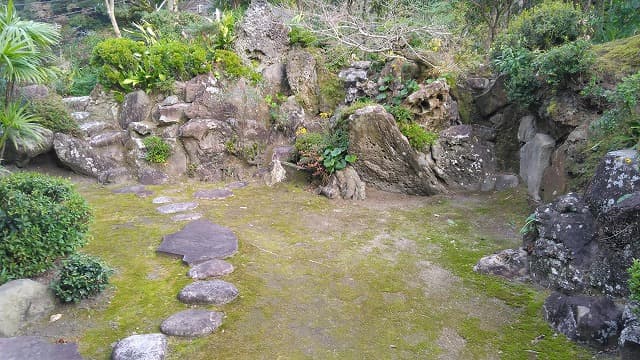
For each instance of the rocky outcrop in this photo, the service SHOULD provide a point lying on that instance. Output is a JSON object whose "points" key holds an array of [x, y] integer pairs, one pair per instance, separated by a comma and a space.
{"points": [[303, 79], [345, 184], [262, 35], [29, 148], [385, 158], [616, 176], [21, 302], [493, 99], [629, 340], [136, 107], [356, 81], [593, 320], [464, 157], [535, 157], [433, 106], [80, 157]]}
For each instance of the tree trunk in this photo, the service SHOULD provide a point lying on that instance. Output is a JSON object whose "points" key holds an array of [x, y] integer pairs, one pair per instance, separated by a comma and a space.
{"points": [[112, 16]]}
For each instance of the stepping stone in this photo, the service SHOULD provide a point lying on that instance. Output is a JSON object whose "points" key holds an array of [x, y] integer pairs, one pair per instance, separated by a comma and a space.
{"points": [[162, 200], [216, 292], [186, 217], [200, 240], [177, 207], [35, 347], [210, 268], [192, 323], [141, 347], [214, 194], [237, 185]]}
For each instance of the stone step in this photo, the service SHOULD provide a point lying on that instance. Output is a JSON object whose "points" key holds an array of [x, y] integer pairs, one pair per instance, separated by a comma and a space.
{"points": [[177, 207], [192, 323], [35, 347], [141, 347], [186, 217], [214, 292], [200, 240], [210, 268], [213, 194]]}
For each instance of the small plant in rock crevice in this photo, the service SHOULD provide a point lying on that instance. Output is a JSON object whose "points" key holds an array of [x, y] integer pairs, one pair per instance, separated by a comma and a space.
{"points": [[157, 150], [634, 280]]}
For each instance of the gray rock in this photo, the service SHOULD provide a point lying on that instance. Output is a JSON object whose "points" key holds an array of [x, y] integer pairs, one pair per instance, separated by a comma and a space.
{"points": [[148, 176], [33, 347], [77, 103], [527, 129], [509, 263], [192, 323], [21, 302], [617, 175], [170, 100], [345, 184], [303, 79], [262, 34], [131, 189], [162, 200], [478, 83], [535, 157], [212, 194], [385, 157], [186, 217], [141, 347], [108, 138], [199, 241], [506, 181], [237, 185], [276, 175], [92, 128], [34, 92], [291, 116], [433, 106], [629, 340], [592, 320], [80, 116], [210, 268], [141, 128], [136, 107], [492, 100], [80, 157], [29, 148], [172, 114], [177, 207], [215, 292]]}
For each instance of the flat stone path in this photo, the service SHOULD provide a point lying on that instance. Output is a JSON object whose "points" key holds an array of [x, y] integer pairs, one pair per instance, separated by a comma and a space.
{"points": [[177, 207], [214, 292], [192, 323], [215, 194], [200, 240], [186, 217], [209, 269], [141, 347], [35, 347]]}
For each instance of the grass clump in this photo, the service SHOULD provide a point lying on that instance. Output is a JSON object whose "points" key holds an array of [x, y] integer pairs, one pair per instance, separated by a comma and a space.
{"points": [[53, 115], [418, 137], [157, 150], [232, 65]]}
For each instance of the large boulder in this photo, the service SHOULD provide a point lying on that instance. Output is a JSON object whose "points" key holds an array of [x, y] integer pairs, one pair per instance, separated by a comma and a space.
{"points": [[303, 79], [385, 157], [21, 302], [493, 99], [616, 176], [433, 106], [29, 148], [345, 184], [593, 320], [262, 34], [561, 244], [136, 107], [535, 157], [464, 156], [629, 340], [80, 157]]}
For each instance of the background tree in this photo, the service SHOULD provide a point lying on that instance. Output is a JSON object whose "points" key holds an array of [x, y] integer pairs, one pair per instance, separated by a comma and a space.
{"points": [[109, 4]]}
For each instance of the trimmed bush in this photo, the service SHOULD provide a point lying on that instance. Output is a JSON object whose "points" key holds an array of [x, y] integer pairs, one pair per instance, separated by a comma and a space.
{"points": [[41, 219], [53, 115], [158, 151], [418, 137], [232, 65], [116, 58], [81, 277]]}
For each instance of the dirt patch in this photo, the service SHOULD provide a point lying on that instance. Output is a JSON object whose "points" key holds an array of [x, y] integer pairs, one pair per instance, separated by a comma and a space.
{"points": [[451, 343]]}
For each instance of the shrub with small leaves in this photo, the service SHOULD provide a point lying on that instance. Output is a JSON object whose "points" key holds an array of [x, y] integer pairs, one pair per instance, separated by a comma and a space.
{"points": [[634, 280], [53, 115], [81, 277], [158, 151], [302, 37], [418, 137], [41, 218]]}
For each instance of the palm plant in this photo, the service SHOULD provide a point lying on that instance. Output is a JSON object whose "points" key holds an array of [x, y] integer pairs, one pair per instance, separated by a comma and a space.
{"points": [[16, 126], [25, 48]]}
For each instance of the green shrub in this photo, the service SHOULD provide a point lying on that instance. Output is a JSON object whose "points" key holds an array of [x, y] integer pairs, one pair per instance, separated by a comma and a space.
{"points": [[418, 137], [550, 23], [41, 218], [400, 113], [158, 151], [83, 82], [232, 65], [302, 37], [178, 59], [634, 280], [560, 64], [170, 25], [115, 58], [53, 115], [80, 277], [310, 142], [336, 158]]}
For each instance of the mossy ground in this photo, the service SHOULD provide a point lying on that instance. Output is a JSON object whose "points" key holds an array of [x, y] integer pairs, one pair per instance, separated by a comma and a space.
{"points": [[387, 278]]}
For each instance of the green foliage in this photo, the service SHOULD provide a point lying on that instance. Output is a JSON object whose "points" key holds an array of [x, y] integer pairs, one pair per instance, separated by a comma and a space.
{"points": [[232, 65], [41, 218], [529, 224], [171, 25], [418, 137], [225, 35], [80, 277], [615, 19], [302, 37], [634, 280], [158, 151], [126, 65], [400, 113], [550, 23], [16, 126], [336, 158], [310, 142], [560, 64], [52, 114]]}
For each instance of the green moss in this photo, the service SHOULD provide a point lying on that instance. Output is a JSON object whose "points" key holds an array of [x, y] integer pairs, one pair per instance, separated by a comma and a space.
{"points": [[617, 59]]}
